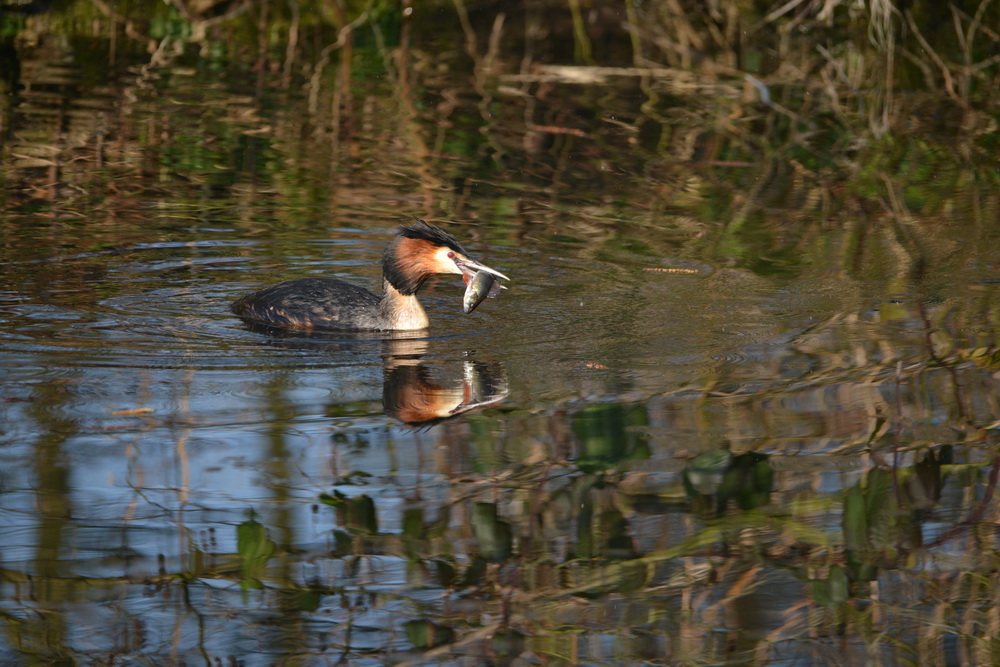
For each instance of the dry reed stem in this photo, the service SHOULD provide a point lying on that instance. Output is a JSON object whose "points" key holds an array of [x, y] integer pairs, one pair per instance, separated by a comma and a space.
{"points": [[781, 11], [324, 58], [661, 269], [949, 83], [293, 42]]}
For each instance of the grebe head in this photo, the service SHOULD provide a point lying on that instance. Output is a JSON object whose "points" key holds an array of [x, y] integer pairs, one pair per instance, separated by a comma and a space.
{"points": [[421, 250]]}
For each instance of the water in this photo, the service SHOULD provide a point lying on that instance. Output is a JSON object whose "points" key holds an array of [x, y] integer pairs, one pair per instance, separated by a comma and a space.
{"points": [[724, 413]]}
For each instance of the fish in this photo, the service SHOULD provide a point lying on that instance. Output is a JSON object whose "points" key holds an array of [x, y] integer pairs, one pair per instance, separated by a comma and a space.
{"points": [[481, 286]]}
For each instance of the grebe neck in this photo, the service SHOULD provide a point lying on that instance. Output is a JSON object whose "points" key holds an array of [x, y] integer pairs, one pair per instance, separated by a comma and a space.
{"points": [[401, 311]]}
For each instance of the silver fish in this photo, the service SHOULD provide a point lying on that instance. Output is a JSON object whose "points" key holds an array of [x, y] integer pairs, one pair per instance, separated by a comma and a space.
{"points": [[482, 285]]}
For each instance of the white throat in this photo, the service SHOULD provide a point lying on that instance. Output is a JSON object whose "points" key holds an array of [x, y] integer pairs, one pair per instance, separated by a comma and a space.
{"points": [[403, 312]]}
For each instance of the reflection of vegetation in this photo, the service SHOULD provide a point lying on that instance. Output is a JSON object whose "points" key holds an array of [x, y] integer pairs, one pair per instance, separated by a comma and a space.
{"points": [[715, 478], [599, 430], [355, 514], [254, 549], [845, 144], [785, 173], [493, 536], [424, 634], [541, 552]]}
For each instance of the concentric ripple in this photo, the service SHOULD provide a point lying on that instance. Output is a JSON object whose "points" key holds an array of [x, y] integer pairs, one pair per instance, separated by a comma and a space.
{"points": [[567, 323]]}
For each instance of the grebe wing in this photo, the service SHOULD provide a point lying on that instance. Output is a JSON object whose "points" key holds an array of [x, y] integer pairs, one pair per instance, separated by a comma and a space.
{"points": [[311, 303]]}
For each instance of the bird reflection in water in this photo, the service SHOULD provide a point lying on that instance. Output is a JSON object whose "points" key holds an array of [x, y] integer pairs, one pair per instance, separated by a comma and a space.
{"points": [[414, 392], [419, 395]]}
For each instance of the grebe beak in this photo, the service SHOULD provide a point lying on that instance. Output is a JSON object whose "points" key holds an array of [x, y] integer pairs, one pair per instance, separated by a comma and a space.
{"points": [[470, 267]]}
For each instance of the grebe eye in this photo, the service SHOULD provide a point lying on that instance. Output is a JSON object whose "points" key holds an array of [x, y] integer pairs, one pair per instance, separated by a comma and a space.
{"points": [[451, 255]]}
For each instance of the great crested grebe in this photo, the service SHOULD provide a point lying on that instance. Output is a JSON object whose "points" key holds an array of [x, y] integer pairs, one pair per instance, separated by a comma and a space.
{"points": [[418, 251]]}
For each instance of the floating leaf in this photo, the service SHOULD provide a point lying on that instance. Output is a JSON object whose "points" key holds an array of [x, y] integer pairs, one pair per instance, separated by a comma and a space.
{"points": [[855, 520], [424, 634], [356, 514], [493, 535], [475, 573], [361, 517], [413, 523], [343, 543], [704, 474], [445, 571], [254, 549]]}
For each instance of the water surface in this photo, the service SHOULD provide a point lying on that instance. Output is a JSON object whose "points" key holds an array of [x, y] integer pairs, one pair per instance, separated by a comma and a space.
{"points": [[738, 404]]}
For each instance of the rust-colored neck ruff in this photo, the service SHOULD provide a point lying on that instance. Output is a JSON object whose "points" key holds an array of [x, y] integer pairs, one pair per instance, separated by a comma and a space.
{"points": [[418, 252]]}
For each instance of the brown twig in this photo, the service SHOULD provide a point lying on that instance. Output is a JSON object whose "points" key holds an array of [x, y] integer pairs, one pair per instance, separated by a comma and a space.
{"points": [[949, 82]]}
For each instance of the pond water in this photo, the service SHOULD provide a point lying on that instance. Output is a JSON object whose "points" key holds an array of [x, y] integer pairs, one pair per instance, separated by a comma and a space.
{"points": [[739, 404]]}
